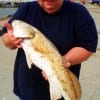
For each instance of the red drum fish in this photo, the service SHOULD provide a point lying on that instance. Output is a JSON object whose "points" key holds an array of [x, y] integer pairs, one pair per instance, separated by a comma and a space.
{"points": [[43, 53]]}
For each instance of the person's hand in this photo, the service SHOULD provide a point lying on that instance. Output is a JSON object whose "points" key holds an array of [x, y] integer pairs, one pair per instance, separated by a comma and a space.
{"points": [[9, 39], [65, 62], [44, 75]]}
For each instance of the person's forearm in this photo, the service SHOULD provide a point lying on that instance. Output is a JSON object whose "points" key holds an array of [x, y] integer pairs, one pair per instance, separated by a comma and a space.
{"points": [[77, 55]]}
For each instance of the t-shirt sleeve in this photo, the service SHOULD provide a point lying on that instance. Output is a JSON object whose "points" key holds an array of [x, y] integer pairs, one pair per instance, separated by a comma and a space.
{"points": [[19, 14], [85, 30]]}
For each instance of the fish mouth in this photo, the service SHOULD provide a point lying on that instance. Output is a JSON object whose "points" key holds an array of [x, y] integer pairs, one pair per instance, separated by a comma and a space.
{"points": [[23, 30]]}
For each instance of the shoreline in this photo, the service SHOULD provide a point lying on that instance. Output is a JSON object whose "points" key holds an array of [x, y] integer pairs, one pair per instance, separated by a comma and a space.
{"points": [[6, 17]]}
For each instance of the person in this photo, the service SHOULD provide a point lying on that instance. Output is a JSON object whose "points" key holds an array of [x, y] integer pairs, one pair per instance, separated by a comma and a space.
{"points": [[83, 2], [68, 25]]}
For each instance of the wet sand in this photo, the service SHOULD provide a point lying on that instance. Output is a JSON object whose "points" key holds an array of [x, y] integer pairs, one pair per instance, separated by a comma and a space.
{"points": [[90, 72]]}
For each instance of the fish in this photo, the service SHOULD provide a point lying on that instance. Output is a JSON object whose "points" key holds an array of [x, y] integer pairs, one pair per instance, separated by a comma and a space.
{"points": [[40, 51]]}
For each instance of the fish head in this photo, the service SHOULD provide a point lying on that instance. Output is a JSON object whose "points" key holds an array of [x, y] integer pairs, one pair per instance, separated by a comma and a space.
{"points": [[22, 29]]}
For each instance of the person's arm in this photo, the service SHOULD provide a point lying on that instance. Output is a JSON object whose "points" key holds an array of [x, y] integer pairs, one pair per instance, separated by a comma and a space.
{"points": [[76, 55], [9, 39], [86, 38]]}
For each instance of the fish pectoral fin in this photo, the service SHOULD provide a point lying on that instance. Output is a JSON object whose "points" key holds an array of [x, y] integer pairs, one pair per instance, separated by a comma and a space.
{"points": [[55, 92], [29, 61], [27, 54]]}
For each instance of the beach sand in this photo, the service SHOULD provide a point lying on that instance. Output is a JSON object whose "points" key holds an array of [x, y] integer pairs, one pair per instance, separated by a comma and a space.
{"points": [[7, 58], [90, 72], [90, 78]]}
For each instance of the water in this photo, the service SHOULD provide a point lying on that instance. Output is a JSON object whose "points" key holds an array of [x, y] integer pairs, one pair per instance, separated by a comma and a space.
{"points": [[6, 11]]}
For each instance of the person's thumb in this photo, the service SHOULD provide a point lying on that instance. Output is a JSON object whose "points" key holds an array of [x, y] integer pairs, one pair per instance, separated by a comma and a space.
{"points": [[8, 26], [67, 64]]}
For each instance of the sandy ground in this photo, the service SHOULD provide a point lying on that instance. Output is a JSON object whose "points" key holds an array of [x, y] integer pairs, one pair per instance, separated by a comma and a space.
{"points": [[90, 78], [6, 73], [90, 72]]}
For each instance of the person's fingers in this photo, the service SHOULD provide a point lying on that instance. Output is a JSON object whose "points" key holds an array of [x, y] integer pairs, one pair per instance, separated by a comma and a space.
{"points": [[19, 46], [44, 75], [18, 43], [8, 26], [66, 63]]}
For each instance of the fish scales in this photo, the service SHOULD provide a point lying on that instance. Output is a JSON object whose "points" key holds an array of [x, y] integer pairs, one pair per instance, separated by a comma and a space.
{"points": [[69, 85]]}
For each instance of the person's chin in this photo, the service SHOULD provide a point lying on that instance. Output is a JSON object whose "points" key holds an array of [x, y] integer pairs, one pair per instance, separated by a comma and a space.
{"points": [[50, 10]]}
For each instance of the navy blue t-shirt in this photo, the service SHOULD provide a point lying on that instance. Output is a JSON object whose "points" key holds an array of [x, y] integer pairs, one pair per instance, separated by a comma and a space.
{"points": [[71, 26]]}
